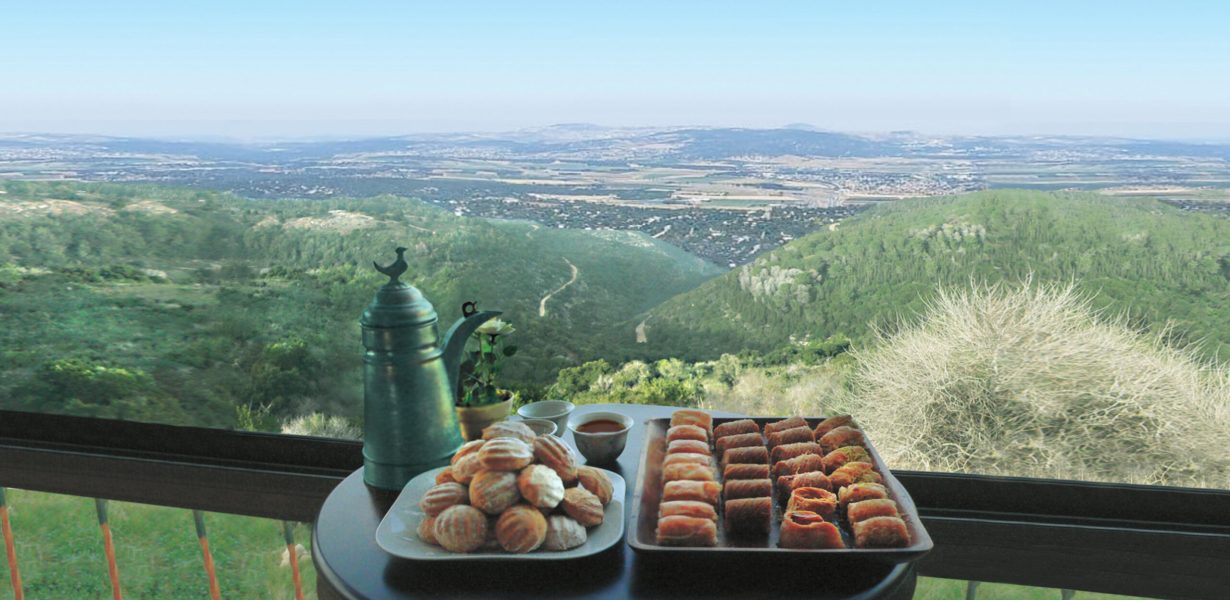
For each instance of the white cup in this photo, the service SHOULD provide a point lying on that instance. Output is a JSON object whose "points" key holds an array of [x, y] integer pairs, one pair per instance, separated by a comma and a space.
{"points": [[556, 411], [605, 447], [541, 426]]}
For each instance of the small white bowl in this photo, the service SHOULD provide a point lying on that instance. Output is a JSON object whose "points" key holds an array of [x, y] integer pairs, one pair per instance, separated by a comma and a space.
{"points": [[556, 411], [601, 448], [541, 426]]}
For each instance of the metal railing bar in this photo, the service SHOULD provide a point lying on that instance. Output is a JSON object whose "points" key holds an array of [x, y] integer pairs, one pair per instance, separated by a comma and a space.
{"points": [[202, 536], [10, 548]]}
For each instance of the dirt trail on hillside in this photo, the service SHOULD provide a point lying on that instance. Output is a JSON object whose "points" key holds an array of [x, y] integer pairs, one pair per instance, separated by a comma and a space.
{"points": [[542, 304], [641, 338]]}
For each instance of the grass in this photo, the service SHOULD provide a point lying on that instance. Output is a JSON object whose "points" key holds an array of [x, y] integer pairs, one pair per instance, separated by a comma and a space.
{"points": [[60, 552], [59, 548], [931, 588]]}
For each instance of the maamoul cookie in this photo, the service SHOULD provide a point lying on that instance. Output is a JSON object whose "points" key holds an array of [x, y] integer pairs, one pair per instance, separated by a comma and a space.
{"points": [[597, 483], [540, 486], [505, 454], [563, 533], [494, 491], [461, 528], [442, 496], [509, 429], [553, 452], [583, 506], [521, 529]]}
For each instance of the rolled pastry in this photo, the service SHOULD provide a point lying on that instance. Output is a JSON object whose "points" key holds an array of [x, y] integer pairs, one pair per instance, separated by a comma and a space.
{"points": [[741, 440], [784, 424], [747, 488], [745, 472], [735, 428], [858, 512], [688, 447], [700, 491], [788, 483], [688, 416], [834, 422], [788, 451], [686, 531], [821, 502], [748, 455], [749, 516], [835, 459], [687, 508], [799, 464], [791, 436], [685, 457], [881, 532], [841, 436], [805, 529], [855, 472], [687, 432], [860, 491], [688, 471]]}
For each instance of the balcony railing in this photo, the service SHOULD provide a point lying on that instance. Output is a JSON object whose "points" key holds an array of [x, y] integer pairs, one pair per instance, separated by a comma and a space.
{"points": [[1123, 539]]}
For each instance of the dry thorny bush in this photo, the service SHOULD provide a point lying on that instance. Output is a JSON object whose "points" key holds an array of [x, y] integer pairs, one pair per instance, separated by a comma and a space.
{"points": [[1030, 380]]}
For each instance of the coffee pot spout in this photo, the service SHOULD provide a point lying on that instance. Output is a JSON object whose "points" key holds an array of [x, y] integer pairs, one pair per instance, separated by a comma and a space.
{"points": [[454, 342]]}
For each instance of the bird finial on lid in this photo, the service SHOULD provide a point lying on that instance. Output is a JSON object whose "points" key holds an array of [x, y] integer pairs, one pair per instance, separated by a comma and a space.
{"points": [[396, 268]]}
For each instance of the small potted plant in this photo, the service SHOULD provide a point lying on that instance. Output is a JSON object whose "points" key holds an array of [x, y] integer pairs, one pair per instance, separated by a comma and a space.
{"points": [[479, 401]]}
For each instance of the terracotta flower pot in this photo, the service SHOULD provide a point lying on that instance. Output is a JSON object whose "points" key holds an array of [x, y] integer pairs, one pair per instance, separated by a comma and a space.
{"points": [[473, 419]]}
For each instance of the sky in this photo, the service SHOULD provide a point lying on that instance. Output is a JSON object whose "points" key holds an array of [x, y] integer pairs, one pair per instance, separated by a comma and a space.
{"points": [[252, 69]]}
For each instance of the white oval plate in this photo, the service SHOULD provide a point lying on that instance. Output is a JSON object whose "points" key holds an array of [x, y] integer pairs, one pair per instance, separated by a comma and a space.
{"points": [[396, 533]]}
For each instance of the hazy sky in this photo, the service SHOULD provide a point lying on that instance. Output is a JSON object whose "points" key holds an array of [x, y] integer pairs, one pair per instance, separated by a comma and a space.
{"points": [[256, 69]]}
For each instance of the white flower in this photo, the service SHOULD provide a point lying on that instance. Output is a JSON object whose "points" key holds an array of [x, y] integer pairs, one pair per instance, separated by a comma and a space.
{"points": [[496, 326]]}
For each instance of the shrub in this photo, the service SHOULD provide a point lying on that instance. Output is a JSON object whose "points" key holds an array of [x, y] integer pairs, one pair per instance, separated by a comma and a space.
{"points": [[321, 425], [1030, 380]]}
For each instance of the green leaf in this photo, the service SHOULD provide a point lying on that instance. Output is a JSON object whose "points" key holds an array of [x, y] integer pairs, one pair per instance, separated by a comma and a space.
{"points": [[510, 350]]}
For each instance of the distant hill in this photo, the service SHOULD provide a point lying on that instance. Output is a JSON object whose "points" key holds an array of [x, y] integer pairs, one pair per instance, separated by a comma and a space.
{"points": [[1138, 256], [200, 287], [724, 143], [643, 144]]}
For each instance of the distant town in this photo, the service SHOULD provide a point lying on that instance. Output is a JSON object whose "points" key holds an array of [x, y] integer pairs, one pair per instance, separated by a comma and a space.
{"points": [[723, 194]]}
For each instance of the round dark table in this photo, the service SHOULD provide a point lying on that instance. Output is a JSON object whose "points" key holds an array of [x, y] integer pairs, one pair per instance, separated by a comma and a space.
{"points": [[349, 564]]}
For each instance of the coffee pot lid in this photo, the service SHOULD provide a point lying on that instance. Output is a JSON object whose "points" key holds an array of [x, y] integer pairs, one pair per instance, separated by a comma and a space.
{"points": [[397, 304]]}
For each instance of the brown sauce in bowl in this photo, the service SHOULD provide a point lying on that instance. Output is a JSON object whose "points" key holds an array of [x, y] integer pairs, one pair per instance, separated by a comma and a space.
{"points": [[601, 426]]}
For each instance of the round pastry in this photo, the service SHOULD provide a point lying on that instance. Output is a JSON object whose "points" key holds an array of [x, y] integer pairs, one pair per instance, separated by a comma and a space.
{"points": [[553, 452], [583, 506], [494, 491], [466, 449], [490, 544], [521, 529], [509, 429], [505, 454], [466, 468], [540, 486], [445, 476], [427, 531], [597, 483], [563, 533], [442, 496], [461, 528]]}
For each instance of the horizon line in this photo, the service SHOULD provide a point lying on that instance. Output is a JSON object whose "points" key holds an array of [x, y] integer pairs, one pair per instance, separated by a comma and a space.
{"points": [[792, 126]]}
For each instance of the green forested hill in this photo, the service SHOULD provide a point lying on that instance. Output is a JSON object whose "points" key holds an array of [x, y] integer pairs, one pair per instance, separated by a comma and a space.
{"points": [[178, 305], [1135, 255]]}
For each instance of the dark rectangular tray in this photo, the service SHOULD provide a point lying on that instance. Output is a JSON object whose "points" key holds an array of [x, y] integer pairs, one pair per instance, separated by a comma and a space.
{"points": [[647, 493]]}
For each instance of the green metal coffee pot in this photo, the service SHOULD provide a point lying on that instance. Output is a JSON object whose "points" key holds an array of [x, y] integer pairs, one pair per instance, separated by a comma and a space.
{"points": [[409, 382]]}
